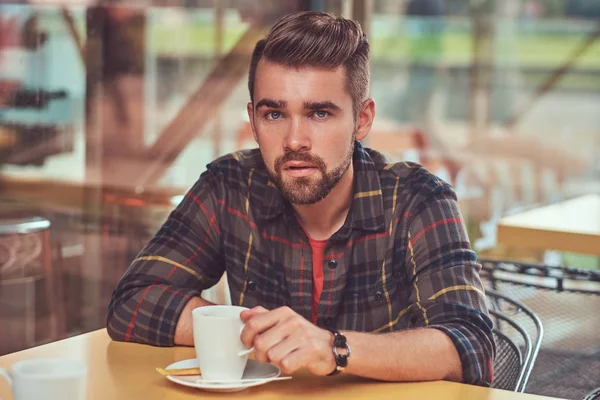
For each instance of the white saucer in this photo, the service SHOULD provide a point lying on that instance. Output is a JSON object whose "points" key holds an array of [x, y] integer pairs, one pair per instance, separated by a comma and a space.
{"points": [[263, 373]]}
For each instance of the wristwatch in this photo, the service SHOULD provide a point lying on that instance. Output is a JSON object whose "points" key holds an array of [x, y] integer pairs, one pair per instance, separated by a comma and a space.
{"points": [[341, 352]]}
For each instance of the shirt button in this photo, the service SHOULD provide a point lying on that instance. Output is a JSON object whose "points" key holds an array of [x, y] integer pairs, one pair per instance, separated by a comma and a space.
{"points": [[332, 264], [251, 285], [328, 321], [379, 295]]}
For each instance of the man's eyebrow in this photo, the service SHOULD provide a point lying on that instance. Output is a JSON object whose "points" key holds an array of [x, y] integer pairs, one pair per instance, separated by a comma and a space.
{"points": [[321, 105], [271, 103]]}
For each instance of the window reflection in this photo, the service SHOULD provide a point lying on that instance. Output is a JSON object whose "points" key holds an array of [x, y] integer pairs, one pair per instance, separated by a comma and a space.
{"points": [[110, 110]]}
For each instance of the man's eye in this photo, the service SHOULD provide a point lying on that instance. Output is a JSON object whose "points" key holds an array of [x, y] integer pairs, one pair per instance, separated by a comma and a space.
{"points": [[321, 114], [273, 115]]}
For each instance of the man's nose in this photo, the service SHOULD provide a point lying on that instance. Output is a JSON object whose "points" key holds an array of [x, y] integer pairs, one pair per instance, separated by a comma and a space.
{"points": [[297, 138]]}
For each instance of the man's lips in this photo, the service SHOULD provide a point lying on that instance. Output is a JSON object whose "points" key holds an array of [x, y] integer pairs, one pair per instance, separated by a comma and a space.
{"points": [[299, 168], [298, 164]]}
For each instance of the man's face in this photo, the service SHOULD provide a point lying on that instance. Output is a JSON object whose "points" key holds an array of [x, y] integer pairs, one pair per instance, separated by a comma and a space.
{"points": [[304, 126]]}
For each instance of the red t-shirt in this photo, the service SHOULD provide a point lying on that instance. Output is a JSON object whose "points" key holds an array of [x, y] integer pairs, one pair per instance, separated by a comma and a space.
{"points": [[318, 249]]}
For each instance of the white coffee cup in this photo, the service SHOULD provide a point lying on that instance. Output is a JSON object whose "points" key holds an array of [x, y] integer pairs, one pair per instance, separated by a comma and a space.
{"points": [[219, 349], [48, 379]]}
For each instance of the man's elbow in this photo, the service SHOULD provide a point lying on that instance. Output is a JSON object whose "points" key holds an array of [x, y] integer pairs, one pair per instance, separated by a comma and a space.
{"points": [[455, 373], [473, 351], [114, 328], [117, 326]]}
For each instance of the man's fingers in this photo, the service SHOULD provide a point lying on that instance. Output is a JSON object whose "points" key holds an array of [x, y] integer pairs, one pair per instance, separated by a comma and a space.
{"points": [[281, 349], [263, 320], [294, 360], [265, 343], [247, 314], [256, 324]]}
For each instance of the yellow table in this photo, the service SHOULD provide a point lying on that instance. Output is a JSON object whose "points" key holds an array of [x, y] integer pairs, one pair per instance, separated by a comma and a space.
{"points": [[572, 225], [127, 371]]}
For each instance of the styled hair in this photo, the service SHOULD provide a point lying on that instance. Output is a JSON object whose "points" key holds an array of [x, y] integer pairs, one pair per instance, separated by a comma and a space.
{"points": [[317, 39]]}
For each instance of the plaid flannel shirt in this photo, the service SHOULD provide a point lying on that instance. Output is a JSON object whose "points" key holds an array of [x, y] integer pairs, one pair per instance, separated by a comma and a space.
{"points": [[401, 260]]}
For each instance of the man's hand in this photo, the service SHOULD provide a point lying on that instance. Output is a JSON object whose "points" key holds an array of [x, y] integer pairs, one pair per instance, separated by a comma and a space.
{"points": [[288, 341]]}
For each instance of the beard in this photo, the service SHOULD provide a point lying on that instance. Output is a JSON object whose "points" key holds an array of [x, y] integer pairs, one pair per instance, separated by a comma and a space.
{"points": [[308, 190]]}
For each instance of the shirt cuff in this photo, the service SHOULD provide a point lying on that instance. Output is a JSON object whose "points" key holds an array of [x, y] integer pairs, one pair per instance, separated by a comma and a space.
{"points": [[475, 350]]}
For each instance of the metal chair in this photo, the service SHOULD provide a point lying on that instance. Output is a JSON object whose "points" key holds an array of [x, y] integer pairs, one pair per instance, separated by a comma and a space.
{"points": [[25, 269], [566, 300], [593, 395], [516, 351], [509, 365]]}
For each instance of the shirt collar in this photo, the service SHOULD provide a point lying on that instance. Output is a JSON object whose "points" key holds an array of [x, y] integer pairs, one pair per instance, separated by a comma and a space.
{"points": [[366, 212]]}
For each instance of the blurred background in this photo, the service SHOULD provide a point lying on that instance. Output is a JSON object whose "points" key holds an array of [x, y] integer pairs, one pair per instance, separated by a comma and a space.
{"points": [[110, 110]]}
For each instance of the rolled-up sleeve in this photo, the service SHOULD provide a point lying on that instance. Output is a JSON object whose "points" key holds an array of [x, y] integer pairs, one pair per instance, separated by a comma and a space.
{"points": [[447, 293], [180, 261]]}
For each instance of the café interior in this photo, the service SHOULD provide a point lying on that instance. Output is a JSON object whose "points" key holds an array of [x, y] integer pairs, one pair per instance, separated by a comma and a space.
{"points": [[110, 111]]}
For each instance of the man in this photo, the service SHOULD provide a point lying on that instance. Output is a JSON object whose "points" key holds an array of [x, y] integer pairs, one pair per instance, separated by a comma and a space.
{"points": [[319, 236]]}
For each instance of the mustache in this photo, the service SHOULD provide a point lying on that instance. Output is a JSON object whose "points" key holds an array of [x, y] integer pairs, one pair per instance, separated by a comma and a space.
{"points": [[300, 156]]}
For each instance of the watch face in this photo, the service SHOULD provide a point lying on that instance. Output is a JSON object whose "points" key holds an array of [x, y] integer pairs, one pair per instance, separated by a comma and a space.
{"points": [[340, 340], [341, 352]]}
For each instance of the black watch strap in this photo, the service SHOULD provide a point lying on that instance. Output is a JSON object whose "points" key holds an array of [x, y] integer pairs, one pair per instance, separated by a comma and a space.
{"points": [[341, 351]]}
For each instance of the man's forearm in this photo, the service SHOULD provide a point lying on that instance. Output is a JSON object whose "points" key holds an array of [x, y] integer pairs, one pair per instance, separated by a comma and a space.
{"points": [[423, 354], [184, 335]]}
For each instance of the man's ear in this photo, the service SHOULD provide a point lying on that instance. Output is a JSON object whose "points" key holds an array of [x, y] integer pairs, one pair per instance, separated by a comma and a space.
{"points": [[250, 109], [364, 119]]}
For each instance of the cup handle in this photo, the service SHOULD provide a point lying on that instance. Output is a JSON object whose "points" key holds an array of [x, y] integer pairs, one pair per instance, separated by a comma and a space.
{"points": [[6, 375], [247, 351]]}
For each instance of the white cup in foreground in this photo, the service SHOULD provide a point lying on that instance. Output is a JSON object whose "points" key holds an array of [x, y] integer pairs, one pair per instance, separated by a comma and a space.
{"points": [[48, 379], [219, 349]]}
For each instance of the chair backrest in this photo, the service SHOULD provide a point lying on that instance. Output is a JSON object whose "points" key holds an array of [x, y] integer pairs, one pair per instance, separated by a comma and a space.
{"points": [[509, 365], [24, 247], [566, 300], [511, 319], [26, 265], [593, 395]]}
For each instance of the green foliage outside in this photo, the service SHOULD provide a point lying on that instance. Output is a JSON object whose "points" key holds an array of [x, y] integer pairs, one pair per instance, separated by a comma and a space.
{"points": [[524, 49]]}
